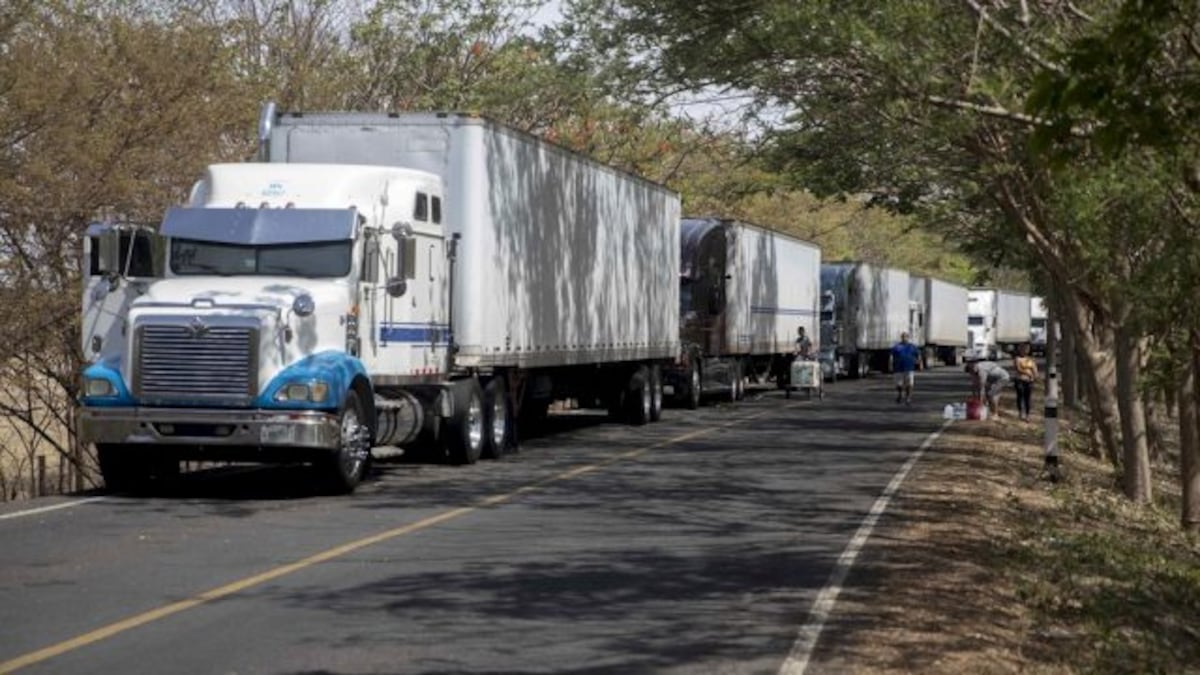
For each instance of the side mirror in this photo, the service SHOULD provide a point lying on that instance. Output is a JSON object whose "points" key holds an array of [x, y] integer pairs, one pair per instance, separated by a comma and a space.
{"points": [[406, 260], [396, 287], [370, 260]]}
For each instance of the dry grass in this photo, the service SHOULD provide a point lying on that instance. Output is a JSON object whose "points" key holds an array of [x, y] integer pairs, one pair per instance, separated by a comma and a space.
{"points": [[983, 566]]}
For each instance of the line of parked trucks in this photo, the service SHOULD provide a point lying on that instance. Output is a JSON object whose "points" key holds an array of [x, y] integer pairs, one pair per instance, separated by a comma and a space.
{"points": [[434, 280]]}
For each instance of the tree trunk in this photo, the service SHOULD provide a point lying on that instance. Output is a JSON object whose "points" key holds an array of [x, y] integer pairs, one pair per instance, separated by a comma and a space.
{"points": [[1155, 436], [1093, 348], [1070, 371], [1135, 452], [1189, 439]]}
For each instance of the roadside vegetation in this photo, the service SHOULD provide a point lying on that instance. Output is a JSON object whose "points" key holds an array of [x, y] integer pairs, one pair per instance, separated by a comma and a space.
{"points": [[983, 565]]}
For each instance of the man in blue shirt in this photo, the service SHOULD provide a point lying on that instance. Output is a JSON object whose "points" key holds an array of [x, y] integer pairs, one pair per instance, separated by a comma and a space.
{"points": [[906, 360]]}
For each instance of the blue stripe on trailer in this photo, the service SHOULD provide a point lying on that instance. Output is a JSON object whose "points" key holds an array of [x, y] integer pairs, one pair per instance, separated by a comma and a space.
{"points": [[415, 333]]}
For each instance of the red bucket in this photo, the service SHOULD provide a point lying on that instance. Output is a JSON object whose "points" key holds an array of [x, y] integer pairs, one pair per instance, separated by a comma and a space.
{"points": [[974, 409]]}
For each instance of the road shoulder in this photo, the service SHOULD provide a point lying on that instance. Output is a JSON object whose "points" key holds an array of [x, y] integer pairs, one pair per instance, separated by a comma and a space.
{"points": [[981, 565]]}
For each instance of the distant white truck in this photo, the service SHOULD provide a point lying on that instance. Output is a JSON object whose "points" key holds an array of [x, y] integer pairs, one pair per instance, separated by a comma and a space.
{"points": [[1037, 325], [864, 309], [382, 280], [744, 292], [944, 336], [997, 321]]}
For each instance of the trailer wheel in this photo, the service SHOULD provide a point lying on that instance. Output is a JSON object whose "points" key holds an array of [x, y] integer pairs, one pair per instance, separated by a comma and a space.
{"points": [[735, 381], [345, 467], [640, 398], [123, 467], [656, 393], [496, 418], [464, 430]]}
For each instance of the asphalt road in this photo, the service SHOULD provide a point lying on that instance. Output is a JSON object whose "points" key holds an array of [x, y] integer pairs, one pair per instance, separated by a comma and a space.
{"points": [[698, 544]]}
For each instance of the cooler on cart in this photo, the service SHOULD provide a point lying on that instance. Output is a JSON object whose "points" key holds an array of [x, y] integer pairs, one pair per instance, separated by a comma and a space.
{"points": [[806, 376]]}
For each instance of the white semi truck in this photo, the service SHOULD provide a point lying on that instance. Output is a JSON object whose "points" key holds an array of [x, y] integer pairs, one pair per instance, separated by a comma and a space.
{"points": [[380, 280], [997, 321], [864, 309], [744, 293], [943, 335]]}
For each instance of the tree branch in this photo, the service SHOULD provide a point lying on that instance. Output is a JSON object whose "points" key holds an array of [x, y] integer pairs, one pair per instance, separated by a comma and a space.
{"points": [[1021, 44]]}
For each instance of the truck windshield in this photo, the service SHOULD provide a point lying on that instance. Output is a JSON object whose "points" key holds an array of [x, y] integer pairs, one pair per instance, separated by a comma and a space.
{"points": [[974, 320], [314, 259]]}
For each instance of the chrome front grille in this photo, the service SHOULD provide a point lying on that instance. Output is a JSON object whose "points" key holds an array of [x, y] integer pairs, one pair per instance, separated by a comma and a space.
{"points": [[196, 362]]}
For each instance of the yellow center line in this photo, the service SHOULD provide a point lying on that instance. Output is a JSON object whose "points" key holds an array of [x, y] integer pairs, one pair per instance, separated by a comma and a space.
{"points": [[150, 616]]}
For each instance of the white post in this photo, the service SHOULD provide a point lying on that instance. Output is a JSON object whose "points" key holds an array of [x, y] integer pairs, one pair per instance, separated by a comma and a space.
{"points": [[1051, 466]]}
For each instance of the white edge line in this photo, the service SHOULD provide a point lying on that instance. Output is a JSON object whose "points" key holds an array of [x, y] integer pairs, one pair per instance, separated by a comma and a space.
{"points": [[54, 507], [797, 660]]}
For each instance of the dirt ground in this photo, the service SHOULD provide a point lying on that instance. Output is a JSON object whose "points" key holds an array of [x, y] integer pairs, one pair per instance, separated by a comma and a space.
{"points": [[982, 565]]}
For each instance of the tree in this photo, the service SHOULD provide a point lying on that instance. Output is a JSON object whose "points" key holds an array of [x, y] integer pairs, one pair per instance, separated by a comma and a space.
{"points": [[923, 106]]}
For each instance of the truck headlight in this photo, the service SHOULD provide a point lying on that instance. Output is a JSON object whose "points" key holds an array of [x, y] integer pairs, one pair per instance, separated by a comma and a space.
{"points": [[314, 392], [95, 386]]}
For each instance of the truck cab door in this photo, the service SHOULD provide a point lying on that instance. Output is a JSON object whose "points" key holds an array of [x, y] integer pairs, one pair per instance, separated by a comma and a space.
{"points": [[409, 323], [119, 262]]}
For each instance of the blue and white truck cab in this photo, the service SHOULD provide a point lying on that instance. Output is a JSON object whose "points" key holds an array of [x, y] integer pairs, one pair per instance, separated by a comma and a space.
{"points": [[265, 321]]}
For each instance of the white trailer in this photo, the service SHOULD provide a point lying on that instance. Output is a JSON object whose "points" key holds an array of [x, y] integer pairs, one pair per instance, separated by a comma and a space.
{"points": [[997, 321], [945, 305], [745, 291], [1012, 319], [1038, 316], [864, 310], [382, 280]]}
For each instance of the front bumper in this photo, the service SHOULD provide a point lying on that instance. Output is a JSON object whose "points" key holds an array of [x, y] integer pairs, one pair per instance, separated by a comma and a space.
{"points": [[207, 427]]}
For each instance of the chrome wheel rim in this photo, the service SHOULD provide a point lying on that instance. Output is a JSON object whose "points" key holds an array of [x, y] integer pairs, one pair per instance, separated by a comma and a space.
{"points": [[475, 423], [355, 445], [499, 421], [647, 399]]}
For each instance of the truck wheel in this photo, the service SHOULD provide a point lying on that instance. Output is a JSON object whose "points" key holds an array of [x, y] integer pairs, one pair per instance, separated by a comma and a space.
{"points": [[496, 418], [656, 394], [694, 388], [123, 467], [640, 397], [345, 467], [464, 430], [735, 381]]}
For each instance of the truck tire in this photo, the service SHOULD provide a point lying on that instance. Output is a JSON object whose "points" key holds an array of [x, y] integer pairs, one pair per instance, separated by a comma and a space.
{"points": [[346, 466], [695, 387], [123, 467], [735, 381], [656, 393], [496, 419], [464, 430], [640, 397]]}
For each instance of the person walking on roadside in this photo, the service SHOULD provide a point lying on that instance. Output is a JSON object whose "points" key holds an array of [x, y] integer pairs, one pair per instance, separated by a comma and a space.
{"points": [[990, 378], [906, 360], [1027, 374]]}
